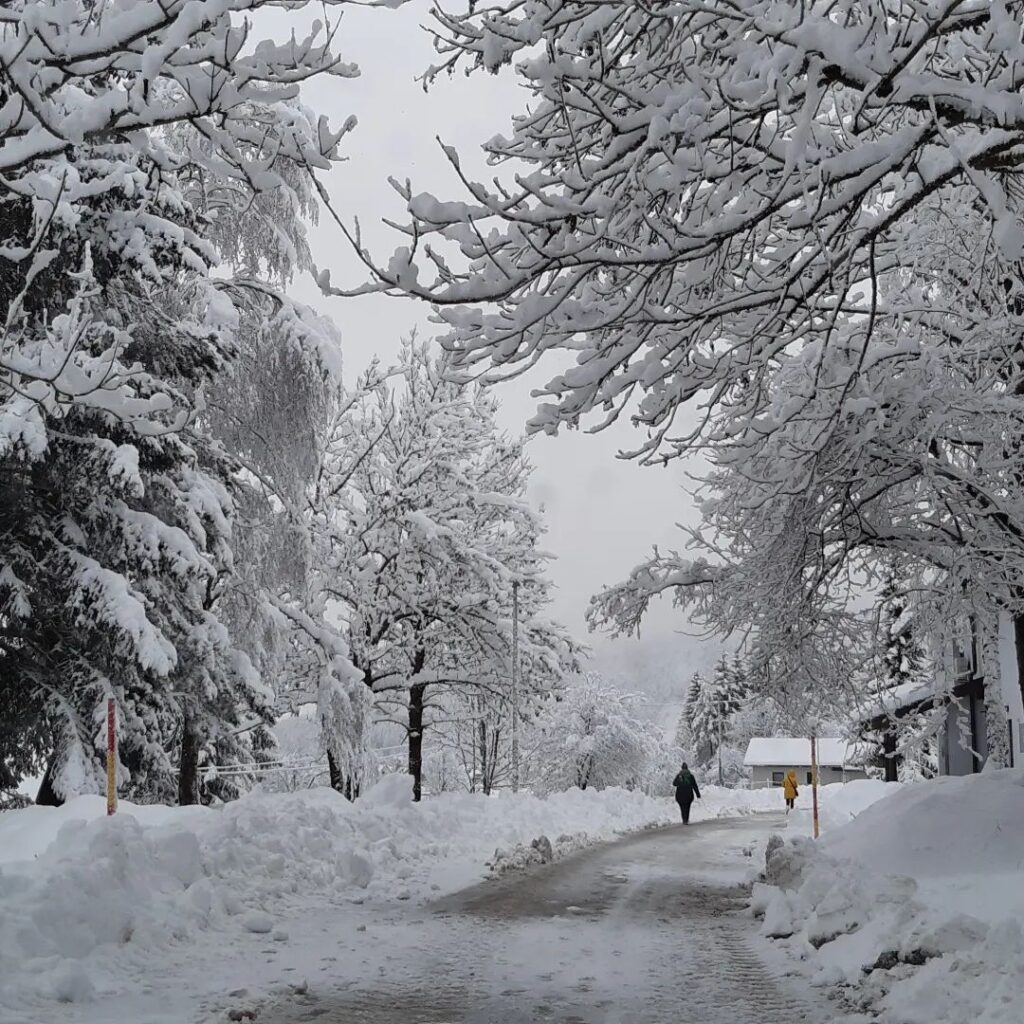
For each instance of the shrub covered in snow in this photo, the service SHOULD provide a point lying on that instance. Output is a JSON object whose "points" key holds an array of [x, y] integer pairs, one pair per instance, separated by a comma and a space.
{"points": [[590, 736]]}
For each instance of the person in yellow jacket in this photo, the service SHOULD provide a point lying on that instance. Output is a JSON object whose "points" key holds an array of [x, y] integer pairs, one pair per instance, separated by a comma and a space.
{"points": [[789, 789]]}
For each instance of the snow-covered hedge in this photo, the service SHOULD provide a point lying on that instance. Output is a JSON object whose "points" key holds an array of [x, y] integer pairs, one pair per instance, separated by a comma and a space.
{"points": [[914, 906]]}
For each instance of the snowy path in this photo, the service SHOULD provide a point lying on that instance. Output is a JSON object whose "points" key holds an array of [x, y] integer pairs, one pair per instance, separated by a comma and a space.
{"points": [[644, 931]]}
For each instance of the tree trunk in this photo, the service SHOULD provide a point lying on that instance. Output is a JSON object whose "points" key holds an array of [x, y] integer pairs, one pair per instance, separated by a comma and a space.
{"points": [[340, 781], [47, 795], [188, 774], [416, 695], [337, 776], [485, 781], [493, 757]]}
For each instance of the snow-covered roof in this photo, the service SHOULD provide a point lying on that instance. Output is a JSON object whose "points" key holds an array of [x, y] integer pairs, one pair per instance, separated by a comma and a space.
{"points": [[896, 698], [790, 752]]}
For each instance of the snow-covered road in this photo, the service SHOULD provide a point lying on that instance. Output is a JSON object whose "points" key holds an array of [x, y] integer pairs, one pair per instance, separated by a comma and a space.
{"points": [[645, 930]]}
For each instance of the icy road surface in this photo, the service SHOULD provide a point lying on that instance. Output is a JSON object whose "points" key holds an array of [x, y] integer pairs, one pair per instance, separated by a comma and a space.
{"points": [[647, 930]]}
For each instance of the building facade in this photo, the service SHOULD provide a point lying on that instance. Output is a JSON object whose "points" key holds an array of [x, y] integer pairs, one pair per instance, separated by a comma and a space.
{"points": [[962, 678], [968, 732]]}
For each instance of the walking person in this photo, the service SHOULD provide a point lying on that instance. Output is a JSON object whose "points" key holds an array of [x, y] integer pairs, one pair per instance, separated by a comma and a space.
{"points": [[686, 790], [789, 789]]}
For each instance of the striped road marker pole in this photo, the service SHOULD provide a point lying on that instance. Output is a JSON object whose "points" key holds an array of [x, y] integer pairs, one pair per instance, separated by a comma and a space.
{"points": [[814, 783]]}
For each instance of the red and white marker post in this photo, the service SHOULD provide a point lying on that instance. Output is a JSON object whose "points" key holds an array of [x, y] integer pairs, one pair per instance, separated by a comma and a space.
{"points": [[814, 782]]}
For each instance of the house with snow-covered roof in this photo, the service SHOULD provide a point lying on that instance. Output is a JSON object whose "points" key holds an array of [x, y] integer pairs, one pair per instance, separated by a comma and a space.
{"points": [[770, 757]]}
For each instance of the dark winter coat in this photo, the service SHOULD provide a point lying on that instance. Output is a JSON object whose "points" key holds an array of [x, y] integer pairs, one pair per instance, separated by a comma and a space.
{"points": [[686, 788]]}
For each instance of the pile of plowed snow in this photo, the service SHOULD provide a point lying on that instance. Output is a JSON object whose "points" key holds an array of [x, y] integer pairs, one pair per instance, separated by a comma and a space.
{"points": [[914, 907], [73, 882]]}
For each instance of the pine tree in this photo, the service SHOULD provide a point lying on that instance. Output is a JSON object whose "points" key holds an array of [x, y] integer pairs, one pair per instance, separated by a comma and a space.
{"points": [[902, 656], [699, 714], [120, 541], [903, 665], [707, 718], [118, 506], [739, 682]]}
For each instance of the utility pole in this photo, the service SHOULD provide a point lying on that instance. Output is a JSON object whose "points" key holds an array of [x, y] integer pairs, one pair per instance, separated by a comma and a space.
{"points": [[515, 686], [721, 715]]}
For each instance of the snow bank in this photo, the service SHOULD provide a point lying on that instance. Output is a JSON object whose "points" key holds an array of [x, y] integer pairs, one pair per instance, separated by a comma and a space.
{"points": [[74, 883], [838, 804], [914, 906], [717, 802]]}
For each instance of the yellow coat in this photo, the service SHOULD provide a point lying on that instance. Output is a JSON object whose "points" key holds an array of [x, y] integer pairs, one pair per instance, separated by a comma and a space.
{"points": [[789, 785]]}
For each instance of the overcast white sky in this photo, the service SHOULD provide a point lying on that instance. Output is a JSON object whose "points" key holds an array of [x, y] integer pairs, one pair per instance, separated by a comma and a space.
{"points": [[603, 513]]}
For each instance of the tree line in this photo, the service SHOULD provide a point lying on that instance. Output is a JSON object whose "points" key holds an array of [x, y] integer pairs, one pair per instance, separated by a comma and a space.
{"points": [[199, 517]]}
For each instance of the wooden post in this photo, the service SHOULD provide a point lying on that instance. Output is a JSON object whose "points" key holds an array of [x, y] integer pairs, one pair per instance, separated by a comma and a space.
{"points": [[814, 783], [111, 755]]}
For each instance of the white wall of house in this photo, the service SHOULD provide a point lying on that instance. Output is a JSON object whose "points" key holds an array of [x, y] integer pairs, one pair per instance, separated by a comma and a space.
{"points": [[772, 775], [955, 755]]}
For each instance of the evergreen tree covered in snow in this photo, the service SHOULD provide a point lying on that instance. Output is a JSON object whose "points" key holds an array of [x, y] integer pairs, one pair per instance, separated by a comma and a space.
{"points": [[116, 525], [739, 680], [711, 708], [682, 734], [903, 656], [903, 671], [729, 686], [118, 537], [699, 718]]}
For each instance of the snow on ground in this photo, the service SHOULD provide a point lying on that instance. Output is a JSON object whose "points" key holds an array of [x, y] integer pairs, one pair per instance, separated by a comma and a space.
{"points": [[90, 904], [642, 931], [913, 908], [838, 804]]}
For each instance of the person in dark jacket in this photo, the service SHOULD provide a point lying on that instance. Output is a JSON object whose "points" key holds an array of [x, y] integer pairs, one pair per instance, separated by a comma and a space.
{"points": [[686, 790]]}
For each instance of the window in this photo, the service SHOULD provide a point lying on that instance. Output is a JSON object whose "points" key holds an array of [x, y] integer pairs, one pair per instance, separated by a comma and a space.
{"points": [[777, 778], [810, 779]]}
